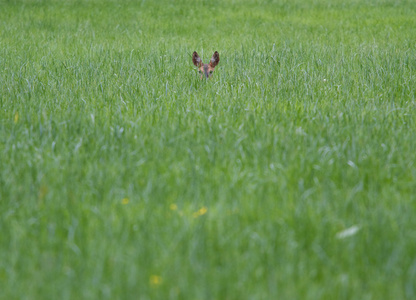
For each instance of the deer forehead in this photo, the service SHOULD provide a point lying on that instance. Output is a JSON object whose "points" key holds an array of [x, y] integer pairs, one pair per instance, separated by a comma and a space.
{"points": [[205, 67]]}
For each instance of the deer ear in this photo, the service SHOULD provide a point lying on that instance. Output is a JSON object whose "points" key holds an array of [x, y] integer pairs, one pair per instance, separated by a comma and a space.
{"points": [[215, 59], [196, 59]]}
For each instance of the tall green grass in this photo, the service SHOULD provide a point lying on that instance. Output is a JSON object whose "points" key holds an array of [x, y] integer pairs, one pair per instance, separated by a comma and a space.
{"points": [[290, 175]]}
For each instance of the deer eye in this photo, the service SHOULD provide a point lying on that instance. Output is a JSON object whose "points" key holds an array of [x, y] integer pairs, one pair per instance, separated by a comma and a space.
{"points": [[200, 71], [210, 72]]}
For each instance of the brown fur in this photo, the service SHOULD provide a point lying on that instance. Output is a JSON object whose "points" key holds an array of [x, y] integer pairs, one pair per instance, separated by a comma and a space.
{"points": [[206, 69]]}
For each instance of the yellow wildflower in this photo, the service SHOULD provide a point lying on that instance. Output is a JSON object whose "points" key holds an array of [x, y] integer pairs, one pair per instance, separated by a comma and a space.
{"points": [[125, 201], [173, 206], [202, 211], [155, 280], [16, 117]]}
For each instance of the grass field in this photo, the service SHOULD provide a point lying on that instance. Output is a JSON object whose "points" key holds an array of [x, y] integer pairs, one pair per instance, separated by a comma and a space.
{"points": [[291, 174]]}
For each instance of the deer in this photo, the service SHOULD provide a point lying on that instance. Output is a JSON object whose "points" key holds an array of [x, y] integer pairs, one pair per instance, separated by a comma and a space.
{"points": [[206, 70]]}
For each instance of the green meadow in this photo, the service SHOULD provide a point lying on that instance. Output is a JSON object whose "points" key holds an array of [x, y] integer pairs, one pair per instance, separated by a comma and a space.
{"points": [[291, 174]]}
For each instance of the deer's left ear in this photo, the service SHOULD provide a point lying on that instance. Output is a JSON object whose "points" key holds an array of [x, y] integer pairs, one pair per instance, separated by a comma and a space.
{"points": [[215, 59], [196, 59]]}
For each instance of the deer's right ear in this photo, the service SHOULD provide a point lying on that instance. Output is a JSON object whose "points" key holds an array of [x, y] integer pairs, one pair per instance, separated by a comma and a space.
{"points": [[196, 59]]}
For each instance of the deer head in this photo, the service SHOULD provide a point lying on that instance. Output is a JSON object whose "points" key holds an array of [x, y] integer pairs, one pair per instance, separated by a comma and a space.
{"points": [[206, 70]]}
